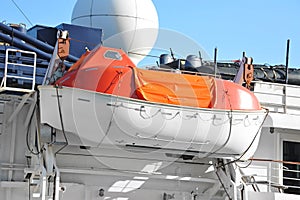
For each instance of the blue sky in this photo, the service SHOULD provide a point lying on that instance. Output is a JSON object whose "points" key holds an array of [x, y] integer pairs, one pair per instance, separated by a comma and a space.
{"points": [[258, 27]]}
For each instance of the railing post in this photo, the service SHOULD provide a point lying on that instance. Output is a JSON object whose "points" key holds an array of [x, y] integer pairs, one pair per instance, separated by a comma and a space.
{"points": [[280, 173], [269, 176]]}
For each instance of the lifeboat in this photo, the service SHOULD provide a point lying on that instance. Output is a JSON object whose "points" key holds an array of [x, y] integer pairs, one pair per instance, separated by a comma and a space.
{"points": [[105, 99]]}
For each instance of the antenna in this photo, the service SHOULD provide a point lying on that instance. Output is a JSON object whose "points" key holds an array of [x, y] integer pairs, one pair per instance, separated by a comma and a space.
{"points": [[172, 54]]}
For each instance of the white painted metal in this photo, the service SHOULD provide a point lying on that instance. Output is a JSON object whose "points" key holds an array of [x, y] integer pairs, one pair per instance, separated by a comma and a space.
{"points": [[13, 147], [278, 98], [105, 119], [148, 173], [9, 63], [126, 24]]}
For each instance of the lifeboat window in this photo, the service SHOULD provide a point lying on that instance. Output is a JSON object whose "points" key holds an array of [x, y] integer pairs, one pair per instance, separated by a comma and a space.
{"points": [[113, 55]]}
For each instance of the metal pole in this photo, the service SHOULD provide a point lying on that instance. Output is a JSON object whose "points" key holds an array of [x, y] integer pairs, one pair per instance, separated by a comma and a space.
{"points": [[287, 61], [215, 61], [286, 74], [200, 57]]}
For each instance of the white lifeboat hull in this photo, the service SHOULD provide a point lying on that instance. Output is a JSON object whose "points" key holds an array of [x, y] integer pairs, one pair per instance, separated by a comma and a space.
{"points": [[98, 118]]}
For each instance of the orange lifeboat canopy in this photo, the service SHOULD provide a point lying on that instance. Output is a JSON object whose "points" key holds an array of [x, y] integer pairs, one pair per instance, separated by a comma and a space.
{"points": [[110, 71]]}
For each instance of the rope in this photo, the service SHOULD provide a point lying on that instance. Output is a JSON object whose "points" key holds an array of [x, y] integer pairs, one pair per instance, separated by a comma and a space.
{"points": [[178, 113], [61, 121], [230, 129], [116, 78], [140, 54], [22, 12], [239, 159], [267, 110], [85, 42], [114, 108], [27, 135], [142, 110]]}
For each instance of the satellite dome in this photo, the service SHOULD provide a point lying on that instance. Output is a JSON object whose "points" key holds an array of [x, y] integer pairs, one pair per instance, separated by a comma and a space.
{"points": [[128, 24]]}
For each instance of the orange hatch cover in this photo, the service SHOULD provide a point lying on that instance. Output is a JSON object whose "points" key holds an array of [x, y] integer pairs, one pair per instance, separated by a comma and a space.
{"points": [[173, 88]]}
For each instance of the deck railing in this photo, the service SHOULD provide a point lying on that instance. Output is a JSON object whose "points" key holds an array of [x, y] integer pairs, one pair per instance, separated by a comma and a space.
{"points": [[272, 176], [279, 98], [18, 71]]}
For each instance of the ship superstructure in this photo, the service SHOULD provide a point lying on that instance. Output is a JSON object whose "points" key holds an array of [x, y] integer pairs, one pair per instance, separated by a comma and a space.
{"points": [[47, 161]]}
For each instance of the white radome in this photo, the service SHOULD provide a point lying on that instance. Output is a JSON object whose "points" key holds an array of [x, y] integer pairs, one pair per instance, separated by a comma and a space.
{"points": [[128, 24]]}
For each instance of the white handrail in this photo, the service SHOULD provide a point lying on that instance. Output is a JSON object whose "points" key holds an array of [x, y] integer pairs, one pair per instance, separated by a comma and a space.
{"points": [[270, 173], [283, 99], [10, 64]]}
